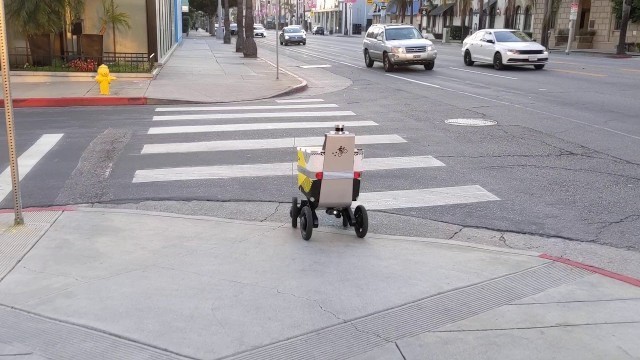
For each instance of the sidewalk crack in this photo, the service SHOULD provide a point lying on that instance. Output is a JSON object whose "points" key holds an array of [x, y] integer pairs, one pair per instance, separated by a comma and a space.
{"points": [[273, 213]]}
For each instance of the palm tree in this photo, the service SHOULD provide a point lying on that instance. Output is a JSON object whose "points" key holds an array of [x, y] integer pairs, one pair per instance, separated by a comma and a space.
{"points": [[111, 14], [249, 48], [240, 22], [227, 24], [36, 20], [462, 10]]}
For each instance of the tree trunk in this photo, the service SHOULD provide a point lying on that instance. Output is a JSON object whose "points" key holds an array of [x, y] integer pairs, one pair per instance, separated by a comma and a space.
{"points": [[412, 11], [626, 10], [481, 16], [240, 39], [546, 21], [227, 24], [249, 49]]}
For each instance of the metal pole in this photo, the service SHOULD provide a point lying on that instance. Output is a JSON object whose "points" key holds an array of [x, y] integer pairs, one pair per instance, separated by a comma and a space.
{"points": [[573, 15], [8, 111], [278, 43], [219, 34]]}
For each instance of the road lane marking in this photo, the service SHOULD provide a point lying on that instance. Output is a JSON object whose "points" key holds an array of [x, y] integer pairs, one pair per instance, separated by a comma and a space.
{"points": [[518, 106], [482, 73], [28, 161], [253, 107], [314, 66], [299, 100], [253, 126], [258, 144], [274, 169], [251, 115], [632, 70], [579, 73], [424, 197]]}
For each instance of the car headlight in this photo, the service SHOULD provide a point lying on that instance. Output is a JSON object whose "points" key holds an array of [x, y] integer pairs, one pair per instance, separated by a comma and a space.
{"points": [[286, 36], [513, 52], [304, 36], [429, 48], [397, 50]]}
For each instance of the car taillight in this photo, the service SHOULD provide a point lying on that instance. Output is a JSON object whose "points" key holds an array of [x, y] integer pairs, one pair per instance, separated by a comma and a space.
{"points": [[318, 176], [357, 174]]}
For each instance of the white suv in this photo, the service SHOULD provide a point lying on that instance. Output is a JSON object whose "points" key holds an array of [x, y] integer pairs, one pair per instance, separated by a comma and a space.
{"points": [[397, 45]]}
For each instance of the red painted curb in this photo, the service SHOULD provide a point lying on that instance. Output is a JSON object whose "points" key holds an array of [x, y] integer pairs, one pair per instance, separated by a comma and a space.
{"points": [[603, 272], [33, 209], [77, 101]]}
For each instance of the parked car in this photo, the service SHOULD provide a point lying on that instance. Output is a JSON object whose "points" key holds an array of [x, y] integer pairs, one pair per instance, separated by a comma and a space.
{"points": [[397, 45], [317, 30], [259, 30], [502, 47], [233, 28], [292, 35]]}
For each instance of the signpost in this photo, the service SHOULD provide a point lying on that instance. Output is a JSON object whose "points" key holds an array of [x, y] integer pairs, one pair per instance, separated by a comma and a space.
{"points": [[8, 111], [573, 15]]}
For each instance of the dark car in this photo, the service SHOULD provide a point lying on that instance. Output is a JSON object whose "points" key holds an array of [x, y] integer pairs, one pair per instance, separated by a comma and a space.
{"points": [[292, 35], [317, 30]]}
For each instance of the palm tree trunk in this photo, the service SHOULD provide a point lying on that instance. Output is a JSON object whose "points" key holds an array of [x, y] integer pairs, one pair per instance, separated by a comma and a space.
{"points": [[250, 50], [240, 22], [227, 24]]}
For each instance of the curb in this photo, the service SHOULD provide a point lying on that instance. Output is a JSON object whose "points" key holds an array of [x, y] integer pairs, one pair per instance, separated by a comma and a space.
{"points": [[610, 274], [76, 101], [294, 90]]}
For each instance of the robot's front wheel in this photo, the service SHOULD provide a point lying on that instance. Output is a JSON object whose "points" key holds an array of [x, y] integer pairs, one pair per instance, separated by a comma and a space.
{"points": [[361, 221], [306, 223]]}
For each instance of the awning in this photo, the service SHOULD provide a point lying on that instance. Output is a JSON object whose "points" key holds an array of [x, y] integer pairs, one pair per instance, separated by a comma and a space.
{"points": [[489, 4], [441, 9]]}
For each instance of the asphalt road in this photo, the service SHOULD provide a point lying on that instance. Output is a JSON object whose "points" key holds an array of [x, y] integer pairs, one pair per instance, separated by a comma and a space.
{"points": [[563, 158]]}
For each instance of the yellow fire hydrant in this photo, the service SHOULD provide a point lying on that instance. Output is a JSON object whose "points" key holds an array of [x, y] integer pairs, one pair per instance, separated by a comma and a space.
{"points": [[104, 79]]}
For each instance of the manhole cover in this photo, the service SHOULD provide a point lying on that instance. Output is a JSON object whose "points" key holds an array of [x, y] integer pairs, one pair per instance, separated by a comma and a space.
{"points": [[470, 122]]}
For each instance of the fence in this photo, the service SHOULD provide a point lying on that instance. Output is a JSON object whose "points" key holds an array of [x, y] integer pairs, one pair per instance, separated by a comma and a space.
{"points": [[19, 59]]}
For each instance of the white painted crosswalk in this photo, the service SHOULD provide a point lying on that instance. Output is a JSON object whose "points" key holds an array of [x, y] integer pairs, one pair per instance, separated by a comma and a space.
{"points": [[27, 161], [289, 113]]}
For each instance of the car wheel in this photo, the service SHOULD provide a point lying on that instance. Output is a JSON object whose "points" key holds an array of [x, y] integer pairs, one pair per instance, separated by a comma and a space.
{"points": [[304, 43], [538, 67], [429, 65], [467, 58], [367, 59], [497, 61], [388, 66]]}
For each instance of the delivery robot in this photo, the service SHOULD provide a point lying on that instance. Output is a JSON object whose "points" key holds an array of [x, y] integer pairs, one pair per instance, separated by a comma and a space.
{"points": [[329, 178]]}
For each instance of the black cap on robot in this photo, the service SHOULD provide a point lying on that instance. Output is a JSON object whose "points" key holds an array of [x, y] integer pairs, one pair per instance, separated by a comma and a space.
{"points": [[339, 128]]}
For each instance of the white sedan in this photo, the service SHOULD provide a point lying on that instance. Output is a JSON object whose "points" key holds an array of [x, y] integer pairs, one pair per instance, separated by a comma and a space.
{"points": [[502, 47], [258, 30]]}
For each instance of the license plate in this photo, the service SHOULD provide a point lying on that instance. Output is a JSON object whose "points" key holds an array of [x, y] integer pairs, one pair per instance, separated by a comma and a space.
{"points": [[533, 58], [416, 56]]}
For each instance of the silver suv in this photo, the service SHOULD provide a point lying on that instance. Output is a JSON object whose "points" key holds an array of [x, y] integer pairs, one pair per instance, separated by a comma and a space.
{"points": [[396, 45]]}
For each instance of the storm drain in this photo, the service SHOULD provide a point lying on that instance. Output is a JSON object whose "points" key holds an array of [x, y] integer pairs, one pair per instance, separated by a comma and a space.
{"points": [[470, 122], [362, 335]]}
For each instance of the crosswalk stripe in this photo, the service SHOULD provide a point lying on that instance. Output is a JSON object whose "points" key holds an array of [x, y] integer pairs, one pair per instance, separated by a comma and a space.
{"points": [[299, 100], [252, 126], [424, 197], [27, 161], [274, 169], [252, 115], [252, 107], [228, 145]]}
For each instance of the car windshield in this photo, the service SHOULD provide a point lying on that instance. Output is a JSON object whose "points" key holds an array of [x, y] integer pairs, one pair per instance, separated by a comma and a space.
{"points": [[292, 30], [511, 36], [402, 34], [259, 27]]}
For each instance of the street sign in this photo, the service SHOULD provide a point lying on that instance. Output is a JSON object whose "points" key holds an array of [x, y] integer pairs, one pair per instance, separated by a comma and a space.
{"points": [[573, 15], [369, 2], [383, 6]]}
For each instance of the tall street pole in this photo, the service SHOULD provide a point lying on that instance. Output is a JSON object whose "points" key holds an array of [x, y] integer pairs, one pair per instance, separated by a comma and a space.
{"points": [[573, 15], [219, 33], [8, 111], [278, 43]]}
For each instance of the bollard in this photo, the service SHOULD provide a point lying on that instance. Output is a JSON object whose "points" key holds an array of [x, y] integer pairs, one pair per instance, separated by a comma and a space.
{"points": [[104, 79]]}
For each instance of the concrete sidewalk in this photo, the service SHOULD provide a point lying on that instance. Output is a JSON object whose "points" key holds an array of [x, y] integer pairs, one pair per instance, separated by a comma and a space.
{"points": [[201, 70], [91, 283]]}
